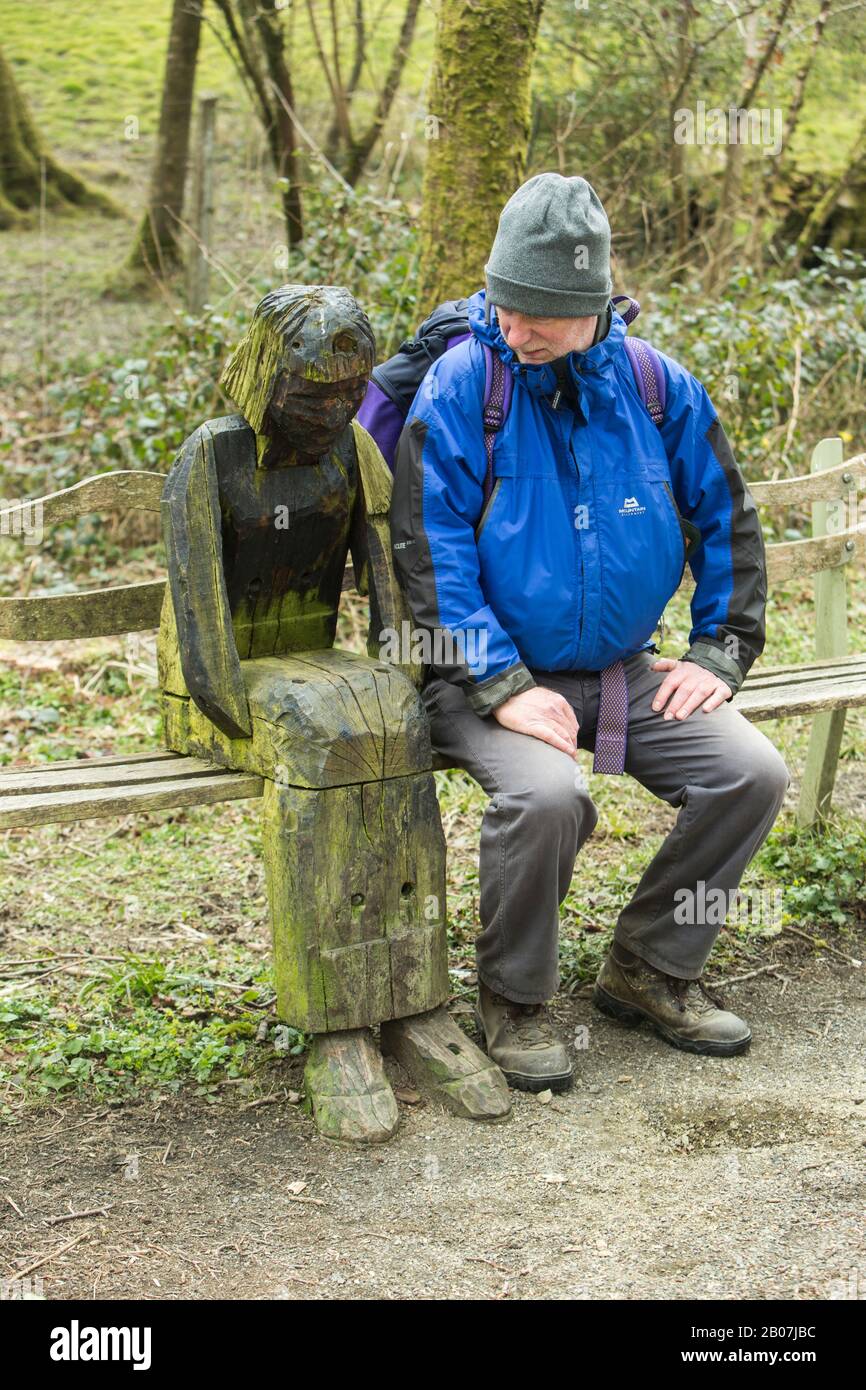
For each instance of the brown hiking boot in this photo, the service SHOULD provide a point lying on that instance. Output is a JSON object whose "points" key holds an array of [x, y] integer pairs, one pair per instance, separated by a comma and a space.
{"points": [[522, 1040], [683, 1012]]}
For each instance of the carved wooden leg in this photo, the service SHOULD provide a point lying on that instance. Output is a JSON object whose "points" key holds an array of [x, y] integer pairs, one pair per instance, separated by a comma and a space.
{"points": [[347, 1087], [356, 883], [447, 1065]]}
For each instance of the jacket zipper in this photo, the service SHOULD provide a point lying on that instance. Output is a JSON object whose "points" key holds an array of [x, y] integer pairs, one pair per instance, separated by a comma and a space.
{"points": [[482, 520], [566, 437], [580, 553]]}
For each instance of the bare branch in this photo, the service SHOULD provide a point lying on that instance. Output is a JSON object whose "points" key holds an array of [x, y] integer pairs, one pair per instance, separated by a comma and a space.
{"points": [[360, 150], [806, 68]]}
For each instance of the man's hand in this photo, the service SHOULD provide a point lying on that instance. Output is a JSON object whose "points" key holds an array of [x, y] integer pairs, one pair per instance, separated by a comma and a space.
{"points": [[687, 686], [543, 714]]}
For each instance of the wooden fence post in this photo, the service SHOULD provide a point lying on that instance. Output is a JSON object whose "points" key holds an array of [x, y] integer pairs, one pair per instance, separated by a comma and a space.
{"points": [[831, 641], [202, 203]]}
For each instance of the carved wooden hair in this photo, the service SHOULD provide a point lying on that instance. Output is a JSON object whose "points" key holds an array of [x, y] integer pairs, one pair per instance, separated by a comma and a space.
{"points": [[317, 332]]}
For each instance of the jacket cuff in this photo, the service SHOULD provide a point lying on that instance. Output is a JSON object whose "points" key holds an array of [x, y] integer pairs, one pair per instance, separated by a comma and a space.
{"points": [[713, 659], [485, 698]]}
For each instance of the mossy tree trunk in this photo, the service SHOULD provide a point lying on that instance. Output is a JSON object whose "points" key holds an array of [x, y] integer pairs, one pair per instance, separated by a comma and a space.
{"points": [[477, 126], [157, 247], [24, 163]]}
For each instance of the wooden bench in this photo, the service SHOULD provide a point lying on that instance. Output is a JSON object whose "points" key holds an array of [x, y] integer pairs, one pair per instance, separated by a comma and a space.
{"points": [[836, 680], [155, 780], [77, 789]]}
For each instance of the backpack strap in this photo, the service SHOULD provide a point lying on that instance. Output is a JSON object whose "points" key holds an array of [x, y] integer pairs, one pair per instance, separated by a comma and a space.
{"points": [[630, 314], [498, 385], [649, 377]]}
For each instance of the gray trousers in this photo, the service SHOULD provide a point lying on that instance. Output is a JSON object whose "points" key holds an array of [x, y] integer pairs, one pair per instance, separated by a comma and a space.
{"points": [[726, 778]]}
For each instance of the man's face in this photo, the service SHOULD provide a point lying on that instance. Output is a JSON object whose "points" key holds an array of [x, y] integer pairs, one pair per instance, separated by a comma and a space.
{"points": [[543, 339]]}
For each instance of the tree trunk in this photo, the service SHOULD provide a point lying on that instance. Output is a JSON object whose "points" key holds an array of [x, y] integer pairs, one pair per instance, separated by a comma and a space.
{"points": [[724, 230], [478, 131], [157, 247], [360, 149], [332, 139], [678, 167], [258, 38], [23, 159], [803, 75], [283, 104]]}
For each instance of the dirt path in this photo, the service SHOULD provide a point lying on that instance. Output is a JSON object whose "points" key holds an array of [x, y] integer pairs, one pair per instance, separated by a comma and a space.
{"points": [[659, 1176]]}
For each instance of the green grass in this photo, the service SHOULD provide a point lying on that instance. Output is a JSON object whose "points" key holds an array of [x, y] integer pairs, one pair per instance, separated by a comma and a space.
{"points": [[85, 69], [138, 1023], [146, 943]]}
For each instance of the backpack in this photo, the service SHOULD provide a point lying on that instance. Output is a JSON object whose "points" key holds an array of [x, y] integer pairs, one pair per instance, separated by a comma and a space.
{"points": [[394, 383]]}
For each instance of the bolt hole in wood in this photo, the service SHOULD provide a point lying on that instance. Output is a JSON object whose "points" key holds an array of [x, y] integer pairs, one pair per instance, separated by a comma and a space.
{"points": [[357, 899], [454, 1047], [407, 890]]}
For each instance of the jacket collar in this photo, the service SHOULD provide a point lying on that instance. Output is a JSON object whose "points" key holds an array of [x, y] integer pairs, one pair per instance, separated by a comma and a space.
{"points": [[539, 377]]}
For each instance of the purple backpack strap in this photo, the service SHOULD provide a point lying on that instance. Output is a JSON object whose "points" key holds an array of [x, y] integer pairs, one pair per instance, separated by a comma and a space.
{"points": [[498, 384], [630, 314], [649, 377], [645, 363]]}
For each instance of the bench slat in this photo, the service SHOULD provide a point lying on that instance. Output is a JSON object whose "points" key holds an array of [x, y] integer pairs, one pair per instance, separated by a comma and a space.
{"points": [[788, 560], [126, 488], [826, 486], [94, 613], [766, 680], [48, 807], [784, 701], [111, 760], [857, 658], [102, 773]]}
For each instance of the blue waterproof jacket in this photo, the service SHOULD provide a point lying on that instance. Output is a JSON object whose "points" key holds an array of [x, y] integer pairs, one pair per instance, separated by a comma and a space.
{"points": [[593, 514]]}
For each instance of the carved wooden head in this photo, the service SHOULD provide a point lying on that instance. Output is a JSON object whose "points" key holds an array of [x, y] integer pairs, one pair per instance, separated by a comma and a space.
{"points": [[301, 370]]}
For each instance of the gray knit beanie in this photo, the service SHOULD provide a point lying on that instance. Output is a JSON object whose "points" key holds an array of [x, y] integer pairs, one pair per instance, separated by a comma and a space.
{"points": [[551, 253]]}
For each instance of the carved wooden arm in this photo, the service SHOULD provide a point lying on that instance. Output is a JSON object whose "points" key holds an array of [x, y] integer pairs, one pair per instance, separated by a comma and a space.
{"points": [[370, 543], [193, 544]]}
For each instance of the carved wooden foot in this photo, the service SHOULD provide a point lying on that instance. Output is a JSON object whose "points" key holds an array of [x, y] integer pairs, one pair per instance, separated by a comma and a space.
{"points": [[447, 1065], [348, 1089]]}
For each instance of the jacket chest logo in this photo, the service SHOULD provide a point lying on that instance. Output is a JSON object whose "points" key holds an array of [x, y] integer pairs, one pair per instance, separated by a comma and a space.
{"points": [[631, 507]]}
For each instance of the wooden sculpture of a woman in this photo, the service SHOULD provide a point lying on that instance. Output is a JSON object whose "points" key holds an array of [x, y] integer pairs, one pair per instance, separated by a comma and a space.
{"points": [[260, 510]]}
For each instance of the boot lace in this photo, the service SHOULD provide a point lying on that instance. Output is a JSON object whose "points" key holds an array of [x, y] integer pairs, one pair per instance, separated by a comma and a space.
{"points": [[693, 994], [531, 1024]]}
